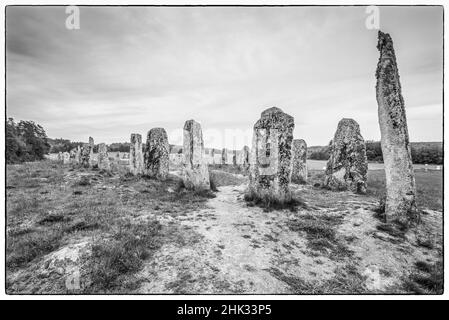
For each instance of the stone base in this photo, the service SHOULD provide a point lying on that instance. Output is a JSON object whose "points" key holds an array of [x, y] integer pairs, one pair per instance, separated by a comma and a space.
{"points": [[196, 178]]}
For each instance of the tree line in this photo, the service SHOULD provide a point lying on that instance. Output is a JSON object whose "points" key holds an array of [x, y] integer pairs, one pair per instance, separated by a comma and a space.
{"points": [[422, 152], [27, 141]]}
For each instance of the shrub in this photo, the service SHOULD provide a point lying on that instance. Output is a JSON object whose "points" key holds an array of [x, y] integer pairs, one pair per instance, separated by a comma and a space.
{"points": [[268, 201]]}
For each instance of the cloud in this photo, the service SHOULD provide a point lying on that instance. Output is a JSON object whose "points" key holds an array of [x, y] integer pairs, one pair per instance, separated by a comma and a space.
{"points": [[129, 69]]}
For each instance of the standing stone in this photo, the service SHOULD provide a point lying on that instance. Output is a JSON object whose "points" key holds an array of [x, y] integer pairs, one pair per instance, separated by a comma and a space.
{"points": [[212, 154], [299, 161], [196, 172], [347, 166], [91, 155], [135, 154], [77, 158], [245, 158], [85, 155], [400, 202], [224, 156], [234, 157], [72, 155], [270, 160], [60, 156], [103, 157], [156, 157], [65, 157]]}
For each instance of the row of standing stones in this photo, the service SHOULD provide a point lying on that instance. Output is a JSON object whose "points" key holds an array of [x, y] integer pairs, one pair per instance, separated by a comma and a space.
{"points": [[276, 159]]}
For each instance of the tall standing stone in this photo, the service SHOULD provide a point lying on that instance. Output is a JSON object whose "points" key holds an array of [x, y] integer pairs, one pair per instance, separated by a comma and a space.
{"points": [[400, 202], [103, 157], [299, 161], [156, 157], [135, 154], [91, 155], [270, 160], [347, 166], [224, 156], [196, 172]]}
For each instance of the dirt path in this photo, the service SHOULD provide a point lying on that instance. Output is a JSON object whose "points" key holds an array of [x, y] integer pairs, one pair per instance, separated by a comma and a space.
{"points": [[241, 250]]}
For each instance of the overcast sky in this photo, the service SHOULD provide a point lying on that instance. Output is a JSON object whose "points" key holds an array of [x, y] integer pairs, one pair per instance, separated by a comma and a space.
{"points": [[129, 69]]}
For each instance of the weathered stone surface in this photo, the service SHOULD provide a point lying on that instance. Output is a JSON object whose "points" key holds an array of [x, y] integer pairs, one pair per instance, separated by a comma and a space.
{"points": [[156, 157], [270, 161], [234, 157], [299, 161], [224, 156], [135, 154], [85, 155], [72, 155], [103, 157], [196, 172], [245, 158], [77, 158], [212, 155], [347, 166], [400, 201], [91, 156], [65, 157]]}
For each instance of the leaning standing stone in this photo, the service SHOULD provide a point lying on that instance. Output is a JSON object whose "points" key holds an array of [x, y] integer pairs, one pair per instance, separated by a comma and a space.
{"points": [[347, 166], [299, 161], [135, 154], [271, 156], [196, 173], [156, 157], [103, 157], [400, 203]]}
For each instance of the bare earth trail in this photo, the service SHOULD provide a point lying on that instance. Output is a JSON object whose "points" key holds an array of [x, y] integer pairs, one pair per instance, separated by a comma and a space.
{"points": [[245, 250]]}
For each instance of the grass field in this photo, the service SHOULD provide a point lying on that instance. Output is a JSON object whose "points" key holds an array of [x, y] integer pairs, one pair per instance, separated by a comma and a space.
{"points": [[50, 205], [429, 186], [110, 228]]}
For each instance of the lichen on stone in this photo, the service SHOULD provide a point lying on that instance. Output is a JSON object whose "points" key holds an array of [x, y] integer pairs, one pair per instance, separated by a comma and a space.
{"points": [[400, 201], [270, 160], [156, 157], [347, 166]]}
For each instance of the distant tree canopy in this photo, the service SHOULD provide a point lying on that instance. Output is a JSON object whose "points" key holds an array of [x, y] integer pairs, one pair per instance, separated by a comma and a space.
{"points": [[119, 147], [319, 154], [25, 141], [62, 145], [374, 151], [422, 152], [427, 152]]}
